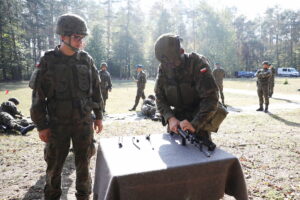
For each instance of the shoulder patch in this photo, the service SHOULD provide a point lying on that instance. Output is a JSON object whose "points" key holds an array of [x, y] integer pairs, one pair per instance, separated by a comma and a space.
{"points": [[203, 70]]}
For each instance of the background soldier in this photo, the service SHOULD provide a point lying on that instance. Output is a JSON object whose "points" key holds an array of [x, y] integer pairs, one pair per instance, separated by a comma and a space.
{"points": [[105, 83], [272, 80], [10, 107], [66, 88], [141, 83], [149, 107], [186, 92], [8, 122], [219, 75], [263, 76]]}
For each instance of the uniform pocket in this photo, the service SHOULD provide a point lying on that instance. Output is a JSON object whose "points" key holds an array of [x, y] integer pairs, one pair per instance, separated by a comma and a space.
{"points": [[83, 77], [62, 78]]}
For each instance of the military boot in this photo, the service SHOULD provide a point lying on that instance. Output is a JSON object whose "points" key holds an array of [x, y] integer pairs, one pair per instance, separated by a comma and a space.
{"points": [[132, 109], [266, 108], [26, 129], [260, 108]]}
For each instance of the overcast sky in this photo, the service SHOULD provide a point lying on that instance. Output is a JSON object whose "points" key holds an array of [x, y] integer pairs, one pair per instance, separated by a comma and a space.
{"points": [[249, 8]]}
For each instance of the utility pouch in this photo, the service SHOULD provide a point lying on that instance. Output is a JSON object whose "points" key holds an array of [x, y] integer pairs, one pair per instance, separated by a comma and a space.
{"points": [[214, 124]]}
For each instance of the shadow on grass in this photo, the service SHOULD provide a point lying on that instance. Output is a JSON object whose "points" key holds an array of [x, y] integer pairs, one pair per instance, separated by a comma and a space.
{"points": [[13, 85], [233, 109], [36, 191], [287, 100], [289, 123]]}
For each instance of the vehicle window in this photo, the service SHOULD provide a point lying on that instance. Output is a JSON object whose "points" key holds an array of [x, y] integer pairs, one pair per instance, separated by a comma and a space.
{"points": [[284, 70]]}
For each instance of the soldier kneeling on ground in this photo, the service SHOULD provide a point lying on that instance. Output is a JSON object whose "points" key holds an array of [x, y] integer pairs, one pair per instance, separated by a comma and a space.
{"points": [[149, 108]]}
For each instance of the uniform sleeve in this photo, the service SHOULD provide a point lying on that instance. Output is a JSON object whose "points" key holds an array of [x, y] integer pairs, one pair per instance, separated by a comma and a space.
{"points": [[207, 91], [162, 105], [38, 111], [96, 95], [109, 82], [143, 79]]}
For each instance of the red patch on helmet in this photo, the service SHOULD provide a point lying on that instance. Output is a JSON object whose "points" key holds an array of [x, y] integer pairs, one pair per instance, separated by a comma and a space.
{"points": [[203, 70], [38, 65]]}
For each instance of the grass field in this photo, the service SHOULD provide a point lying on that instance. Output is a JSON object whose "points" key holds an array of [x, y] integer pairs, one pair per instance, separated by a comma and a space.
{"points": [[267, 145]]}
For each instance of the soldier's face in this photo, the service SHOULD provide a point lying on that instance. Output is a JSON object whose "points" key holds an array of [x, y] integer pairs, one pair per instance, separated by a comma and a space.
{"points": [[74, 40], [77, 40], [103, 68], [139, 69], [265, 66]]}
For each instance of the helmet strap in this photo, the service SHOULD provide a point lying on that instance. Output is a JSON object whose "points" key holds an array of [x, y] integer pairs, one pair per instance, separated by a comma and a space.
{"points": [[70, 46]]}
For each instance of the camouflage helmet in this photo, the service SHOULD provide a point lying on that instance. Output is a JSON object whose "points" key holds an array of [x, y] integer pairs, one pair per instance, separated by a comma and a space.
{"points": [[167, 48], [103, 64], [69, 24], [151, 96], [265, 63], [14, 100]]}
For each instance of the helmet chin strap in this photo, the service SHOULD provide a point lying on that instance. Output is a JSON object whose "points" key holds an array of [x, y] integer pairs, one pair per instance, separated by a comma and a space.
{"points": [[76, 50]]}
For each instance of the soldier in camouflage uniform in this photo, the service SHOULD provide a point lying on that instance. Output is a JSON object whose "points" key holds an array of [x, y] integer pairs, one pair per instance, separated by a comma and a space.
{"points": [[8, 122], [272, 80], [66, 88], [10, 107], [149, 107], [219, 75], [105, 83], [141, 83], [263, 76], [186, 92]]}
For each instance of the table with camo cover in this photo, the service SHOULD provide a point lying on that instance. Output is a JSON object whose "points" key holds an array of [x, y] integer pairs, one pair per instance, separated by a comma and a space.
{"points": [[161, 168]]}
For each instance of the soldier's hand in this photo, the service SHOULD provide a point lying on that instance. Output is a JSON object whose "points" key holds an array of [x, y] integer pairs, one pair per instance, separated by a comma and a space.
{"points": [[45, 135], [98, 126], [173, 124], [186, 125]]}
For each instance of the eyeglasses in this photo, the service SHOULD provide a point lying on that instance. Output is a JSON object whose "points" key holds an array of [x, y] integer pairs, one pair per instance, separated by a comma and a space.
{"points": [[77, 38]]}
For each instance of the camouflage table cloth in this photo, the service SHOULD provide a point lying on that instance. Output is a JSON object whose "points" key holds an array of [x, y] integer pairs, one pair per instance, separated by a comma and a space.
{"points": [[163, 169]]}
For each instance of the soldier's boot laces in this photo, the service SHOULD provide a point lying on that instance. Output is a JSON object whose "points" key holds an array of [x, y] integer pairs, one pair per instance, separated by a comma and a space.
{"points": [[27, 129], [260, 108], [266, 108]]}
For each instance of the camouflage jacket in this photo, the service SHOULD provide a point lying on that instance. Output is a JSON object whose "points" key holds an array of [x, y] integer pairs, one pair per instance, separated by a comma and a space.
{"points": [[65, 89], [273, 70], [263, 76], [219, 74], [141, 80], [10, 108], [149, 102], [188, 91], [105, 80]]}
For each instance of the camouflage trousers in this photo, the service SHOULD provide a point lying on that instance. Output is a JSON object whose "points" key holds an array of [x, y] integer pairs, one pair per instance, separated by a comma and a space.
{"points": [[139, 94], [56, 151], [104, 93], [263, 94], [10, 122], [271, 88], [220, 86]]}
